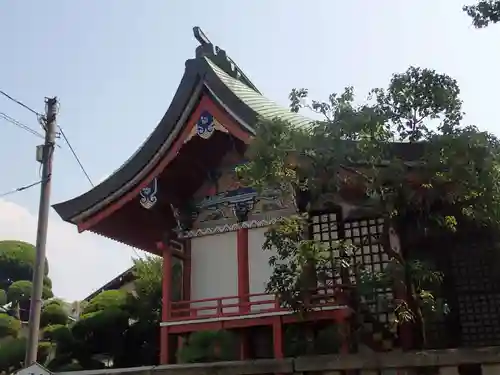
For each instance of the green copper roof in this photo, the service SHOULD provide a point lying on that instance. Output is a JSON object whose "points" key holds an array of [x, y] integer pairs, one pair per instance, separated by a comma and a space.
{"points": [[261, 105]]}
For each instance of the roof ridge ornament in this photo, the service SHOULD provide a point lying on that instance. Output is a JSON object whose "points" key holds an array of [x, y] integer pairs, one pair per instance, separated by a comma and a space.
{"points": [[220, 58], [200, 36]]}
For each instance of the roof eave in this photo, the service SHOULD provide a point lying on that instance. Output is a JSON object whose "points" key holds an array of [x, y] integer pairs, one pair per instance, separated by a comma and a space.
{"points": [[70, 210]]}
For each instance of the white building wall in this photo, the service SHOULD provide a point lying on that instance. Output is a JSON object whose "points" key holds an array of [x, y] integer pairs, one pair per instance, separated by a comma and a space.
{"points": [[258, 262], [214, 270]]}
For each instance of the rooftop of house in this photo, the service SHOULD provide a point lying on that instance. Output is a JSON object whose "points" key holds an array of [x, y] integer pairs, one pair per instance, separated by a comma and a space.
{"points": [[116, 283]]}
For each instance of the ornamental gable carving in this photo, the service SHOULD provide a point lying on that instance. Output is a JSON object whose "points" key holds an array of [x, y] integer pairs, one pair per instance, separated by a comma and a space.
{"points": [[223, 201]]}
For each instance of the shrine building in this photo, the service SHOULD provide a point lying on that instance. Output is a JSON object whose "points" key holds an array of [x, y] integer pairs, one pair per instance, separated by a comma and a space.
{"points": [[178, 197]]}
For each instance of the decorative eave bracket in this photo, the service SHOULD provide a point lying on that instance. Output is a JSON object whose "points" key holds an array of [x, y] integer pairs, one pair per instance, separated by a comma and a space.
{"points": [[205, 127]]}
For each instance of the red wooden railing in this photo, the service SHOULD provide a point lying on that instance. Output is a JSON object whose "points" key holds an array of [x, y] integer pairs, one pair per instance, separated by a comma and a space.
{"points": [[256, 303]]}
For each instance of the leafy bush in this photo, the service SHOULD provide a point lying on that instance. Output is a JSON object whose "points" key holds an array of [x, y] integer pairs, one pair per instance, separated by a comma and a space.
{"points": [[44, 349], [12, 354], [53, 313], [17, 260], [9, 326], [105, 300], [58, 333], [13, 350], [19, 291], [3, 297], [101, 332]]}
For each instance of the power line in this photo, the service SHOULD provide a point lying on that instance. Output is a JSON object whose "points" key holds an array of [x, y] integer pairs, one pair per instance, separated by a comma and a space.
{"points": [[20, 189], [20, 103], [76, 156], [23, 126], [20, 125]]}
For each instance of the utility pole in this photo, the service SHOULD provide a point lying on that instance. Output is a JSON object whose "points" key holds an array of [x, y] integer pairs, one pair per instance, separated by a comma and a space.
{"points": [[41, 234]]}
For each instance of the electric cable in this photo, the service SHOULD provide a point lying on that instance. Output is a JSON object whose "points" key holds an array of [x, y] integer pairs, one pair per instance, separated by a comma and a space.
{"points": [[20, 103], [20, 125], [20, 189], [76, 156]]}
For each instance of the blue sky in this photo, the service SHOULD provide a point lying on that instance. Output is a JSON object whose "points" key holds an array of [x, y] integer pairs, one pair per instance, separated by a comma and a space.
{"points": [[116, 64]]}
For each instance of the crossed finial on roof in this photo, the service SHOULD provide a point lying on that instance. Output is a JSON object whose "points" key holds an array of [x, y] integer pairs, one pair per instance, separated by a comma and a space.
{"points": [[200, 36], [219, 57]]}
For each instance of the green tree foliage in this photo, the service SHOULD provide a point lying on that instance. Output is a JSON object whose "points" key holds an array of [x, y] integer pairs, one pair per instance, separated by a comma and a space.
{"points": [[148, 286], [9, 326], [12, 353], [116, 324], [109, 299], [19, 294], [144, 306], [19, 291], [13, 350], [16, 262], [100, 332], [3, 297], [53, 313], [62, 338], [484, 13], [352, 155], [17, 259], [58, 334]]}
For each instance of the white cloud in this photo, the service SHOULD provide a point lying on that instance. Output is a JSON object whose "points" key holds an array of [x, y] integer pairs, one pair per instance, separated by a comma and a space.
{"points": [[78, 263]]}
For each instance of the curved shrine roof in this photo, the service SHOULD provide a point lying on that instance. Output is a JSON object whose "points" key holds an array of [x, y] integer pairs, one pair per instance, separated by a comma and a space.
{"points": [[212, 72]]}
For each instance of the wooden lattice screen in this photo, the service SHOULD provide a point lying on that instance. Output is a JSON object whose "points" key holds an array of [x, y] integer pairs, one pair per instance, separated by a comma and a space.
{"points": [[329, 228], [477, 294]]}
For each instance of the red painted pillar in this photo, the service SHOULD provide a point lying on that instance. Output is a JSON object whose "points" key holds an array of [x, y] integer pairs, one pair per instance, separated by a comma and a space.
{"points": [[243, 267], [278, 338], [243, 284], [165, 308], [186, 272]]}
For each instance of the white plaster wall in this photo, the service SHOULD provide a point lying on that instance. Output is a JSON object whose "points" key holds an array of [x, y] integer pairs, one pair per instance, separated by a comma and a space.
{"points": [[214, 270], [260, 270]]}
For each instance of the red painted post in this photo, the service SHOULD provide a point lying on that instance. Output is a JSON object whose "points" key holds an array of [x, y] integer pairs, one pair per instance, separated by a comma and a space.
{"points": [[243, 268], [243, 284], [166, 299], [186, 272], [278, 338], [219, 308]]}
